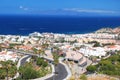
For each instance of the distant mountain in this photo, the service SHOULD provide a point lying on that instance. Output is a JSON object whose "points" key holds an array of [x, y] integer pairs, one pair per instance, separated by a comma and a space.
{"points": [[72, 13]]}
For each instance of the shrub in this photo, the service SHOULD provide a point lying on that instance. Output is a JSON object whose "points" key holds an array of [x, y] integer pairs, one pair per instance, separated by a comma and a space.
{"points": [[41, 62], [28, 72], [91, 68], [83, 77]]}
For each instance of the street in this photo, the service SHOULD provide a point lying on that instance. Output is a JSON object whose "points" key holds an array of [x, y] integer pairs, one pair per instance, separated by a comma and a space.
{"points": [[24, 60], [60, 71]]}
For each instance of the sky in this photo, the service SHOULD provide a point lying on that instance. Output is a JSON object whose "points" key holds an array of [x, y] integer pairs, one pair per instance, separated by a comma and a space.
{"points": [[60, 7]]}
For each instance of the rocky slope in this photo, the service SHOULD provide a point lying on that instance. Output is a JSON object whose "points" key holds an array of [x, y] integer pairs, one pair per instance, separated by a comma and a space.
{"points": [[109, 30], [116, 30]]}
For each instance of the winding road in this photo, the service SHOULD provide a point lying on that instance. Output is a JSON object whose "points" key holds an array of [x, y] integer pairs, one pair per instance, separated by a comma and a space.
{"points": [[60, 73], [60, 70], [22, 62]]}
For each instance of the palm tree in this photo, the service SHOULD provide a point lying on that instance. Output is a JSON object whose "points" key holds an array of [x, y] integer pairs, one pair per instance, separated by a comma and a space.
{"points": [[34, 50], [41, 51], [2, 73], [0, 48], [55, 57], [7, 65]]}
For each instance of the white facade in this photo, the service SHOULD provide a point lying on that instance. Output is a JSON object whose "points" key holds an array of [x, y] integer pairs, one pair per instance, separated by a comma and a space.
{"points": [[87, 51]]}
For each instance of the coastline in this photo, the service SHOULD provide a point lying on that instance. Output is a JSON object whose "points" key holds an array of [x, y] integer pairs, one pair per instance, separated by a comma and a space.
{"points": [[21, 25], [65, 33]]}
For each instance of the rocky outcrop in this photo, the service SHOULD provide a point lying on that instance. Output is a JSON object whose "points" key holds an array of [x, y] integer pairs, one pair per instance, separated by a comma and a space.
{"points": [[109, 30], [116, 30], [105, 30]]}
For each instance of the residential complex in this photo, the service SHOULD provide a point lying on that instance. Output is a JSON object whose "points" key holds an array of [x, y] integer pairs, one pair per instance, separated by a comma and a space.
{"points": [[78, 48]]}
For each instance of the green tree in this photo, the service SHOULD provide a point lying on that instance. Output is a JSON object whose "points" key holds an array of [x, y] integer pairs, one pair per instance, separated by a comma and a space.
{"points": [[2, 73], [97, 44], [110, 66], [0, 48], [44, 46], [9, 68], [28, 72], [91, 68], [41, 62], [56, 58], [41, 51]]}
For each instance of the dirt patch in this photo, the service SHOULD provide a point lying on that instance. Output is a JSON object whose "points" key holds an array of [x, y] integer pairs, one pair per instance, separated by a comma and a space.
{"points": [[100, 77]]}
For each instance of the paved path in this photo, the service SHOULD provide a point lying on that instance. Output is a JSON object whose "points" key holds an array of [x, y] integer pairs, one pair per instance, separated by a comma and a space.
{"points": [[23, 61], [32, 54], [61, 73]]}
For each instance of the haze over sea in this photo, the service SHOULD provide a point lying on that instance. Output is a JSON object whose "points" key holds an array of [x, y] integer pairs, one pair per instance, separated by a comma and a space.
{"points": [[23, 25]]}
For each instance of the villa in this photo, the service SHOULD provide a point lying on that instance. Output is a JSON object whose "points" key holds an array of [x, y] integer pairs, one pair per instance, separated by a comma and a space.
{"points": [[73, 55], [89, 51]]}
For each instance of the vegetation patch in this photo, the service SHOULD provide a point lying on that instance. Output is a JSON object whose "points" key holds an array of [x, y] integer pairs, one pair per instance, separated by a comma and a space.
{"points": [[109, 66], [33, 70], [8, 69]]}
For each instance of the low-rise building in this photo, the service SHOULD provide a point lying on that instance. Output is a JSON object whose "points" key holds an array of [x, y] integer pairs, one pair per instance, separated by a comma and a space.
{"points": [[89, 51]]}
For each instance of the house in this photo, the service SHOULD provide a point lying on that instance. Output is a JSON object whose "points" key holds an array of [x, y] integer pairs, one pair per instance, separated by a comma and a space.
{"points": [[73, 55], [96, 51]]}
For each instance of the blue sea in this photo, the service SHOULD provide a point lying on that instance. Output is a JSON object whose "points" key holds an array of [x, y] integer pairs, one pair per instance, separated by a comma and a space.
{"points": [[23, 25]]}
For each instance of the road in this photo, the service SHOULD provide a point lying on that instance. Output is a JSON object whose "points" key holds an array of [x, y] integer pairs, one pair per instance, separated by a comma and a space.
{"points": [[22, 62], [32, 54], [60, 68], [61, 73]]}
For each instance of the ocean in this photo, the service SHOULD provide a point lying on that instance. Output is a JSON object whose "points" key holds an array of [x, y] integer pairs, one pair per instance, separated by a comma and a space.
{"points": [[23, 25]]}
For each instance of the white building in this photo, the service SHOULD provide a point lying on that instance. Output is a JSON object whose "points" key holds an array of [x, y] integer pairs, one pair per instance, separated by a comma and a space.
{"points": [[88, 51]]}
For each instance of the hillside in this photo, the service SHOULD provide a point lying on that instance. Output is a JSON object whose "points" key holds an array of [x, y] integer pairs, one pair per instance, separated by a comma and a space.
{"points": [[109, 30]]}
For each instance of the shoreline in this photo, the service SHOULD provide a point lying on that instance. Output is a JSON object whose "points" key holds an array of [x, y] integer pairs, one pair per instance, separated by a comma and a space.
{"points": [[58, 25], [65, 33]]}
